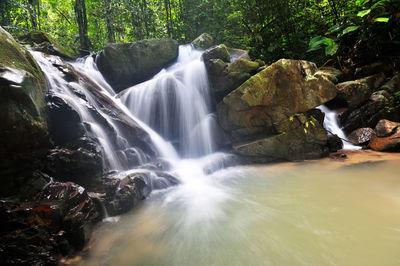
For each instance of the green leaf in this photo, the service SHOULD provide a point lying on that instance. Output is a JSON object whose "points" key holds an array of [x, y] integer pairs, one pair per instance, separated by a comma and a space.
{"points": [[363, 13], [350, 29], [382, 19], [331, 46], [334, 28]]}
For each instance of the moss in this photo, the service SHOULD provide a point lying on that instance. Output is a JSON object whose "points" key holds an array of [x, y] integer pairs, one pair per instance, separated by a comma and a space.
{"points": [[37, 37]]}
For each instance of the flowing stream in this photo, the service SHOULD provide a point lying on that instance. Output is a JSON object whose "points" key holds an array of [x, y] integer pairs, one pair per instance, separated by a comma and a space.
{"points": [[309, 213]]}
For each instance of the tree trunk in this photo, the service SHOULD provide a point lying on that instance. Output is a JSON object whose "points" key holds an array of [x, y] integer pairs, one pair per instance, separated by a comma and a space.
{"points": [[80, 11]]}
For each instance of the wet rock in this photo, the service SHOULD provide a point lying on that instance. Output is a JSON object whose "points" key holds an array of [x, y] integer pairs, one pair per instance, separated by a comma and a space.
{"points": [[81, 165], [354, 93], [53, 224], [23, 129], [204, 41], [265, 104], [65, 124], [122, 193], [42, 42], [386, 128], [240, 54], [389, 143], [361, 136], [371, 69], [126, 64], [217, 52], [334, 143]]}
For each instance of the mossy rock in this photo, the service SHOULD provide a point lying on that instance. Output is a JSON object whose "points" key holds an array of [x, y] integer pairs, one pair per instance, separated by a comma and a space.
{"points": [[23, 129], [263, 105], [42, 42], [217, 52], [300, 143], [204, 41], [126, 64]]}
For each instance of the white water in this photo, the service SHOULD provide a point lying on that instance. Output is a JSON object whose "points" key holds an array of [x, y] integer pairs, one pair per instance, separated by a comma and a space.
{"points": [[331, 124], [186, 79], [176, 103]]}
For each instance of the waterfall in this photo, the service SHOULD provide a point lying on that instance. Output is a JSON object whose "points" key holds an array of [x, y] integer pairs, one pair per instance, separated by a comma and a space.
{"points": [[98, 108], [176, 104], [331, 124]]}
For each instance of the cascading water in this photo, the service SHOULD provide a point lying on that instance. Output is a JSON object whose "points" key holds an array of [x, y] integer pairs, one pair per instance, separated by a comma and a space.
{"points": [[176, 103], [331, 124]]}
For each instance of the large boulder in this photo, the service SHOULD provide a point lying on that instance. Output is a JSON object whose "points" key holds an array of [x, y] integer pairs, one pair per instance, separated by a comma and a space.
{"points": [[204, 41], [23, 129], [126, 64], [265, 102], [42, 42], [300, 143], [272, 106]]}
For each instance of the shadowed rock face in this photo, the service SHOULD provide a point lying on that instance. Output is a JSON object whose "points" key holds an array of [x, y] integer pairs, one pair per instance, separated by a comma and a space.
{"points": [[127, 64], [270, 110], [23, 130]]}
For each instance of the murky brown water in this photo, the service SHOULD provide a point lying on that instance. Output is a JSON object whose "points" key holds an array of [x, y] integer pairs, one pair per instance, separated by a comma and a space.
{"points": [[311, 213]]}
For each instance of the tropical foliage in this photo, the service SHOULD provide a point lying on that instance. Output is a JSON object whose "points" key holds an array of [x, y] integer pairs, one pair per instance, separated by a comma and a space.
{"points": [[270, 29]]}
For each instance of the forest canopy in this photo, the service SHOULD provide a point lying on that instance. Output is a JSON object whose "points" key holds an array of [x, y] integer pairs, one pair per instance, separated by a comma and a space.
{"points": [[269, 29]]}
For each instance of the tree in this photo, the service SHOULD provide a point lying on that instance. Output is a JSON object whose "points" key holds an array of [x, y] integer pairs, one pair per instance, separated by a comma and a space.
{"points": [[80, 11]]}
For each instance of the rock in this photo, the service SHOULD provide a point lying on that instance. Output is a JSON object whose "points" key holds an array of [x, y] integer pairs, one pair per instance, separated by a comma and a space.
{"points": [[334, 143], [65, 124], [390, 143], [55, 223], [385, 128], [81, 165], [380, 96], [42, 42], [371, 69], [217, 52], [126, 64], [23, 129], [225, 78], [368, 114], [333, 74], [123, 192], [297, 144], [393, 85], [265, 104], [240, 54], [204, 41], [361, 136], [354, 93]]}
